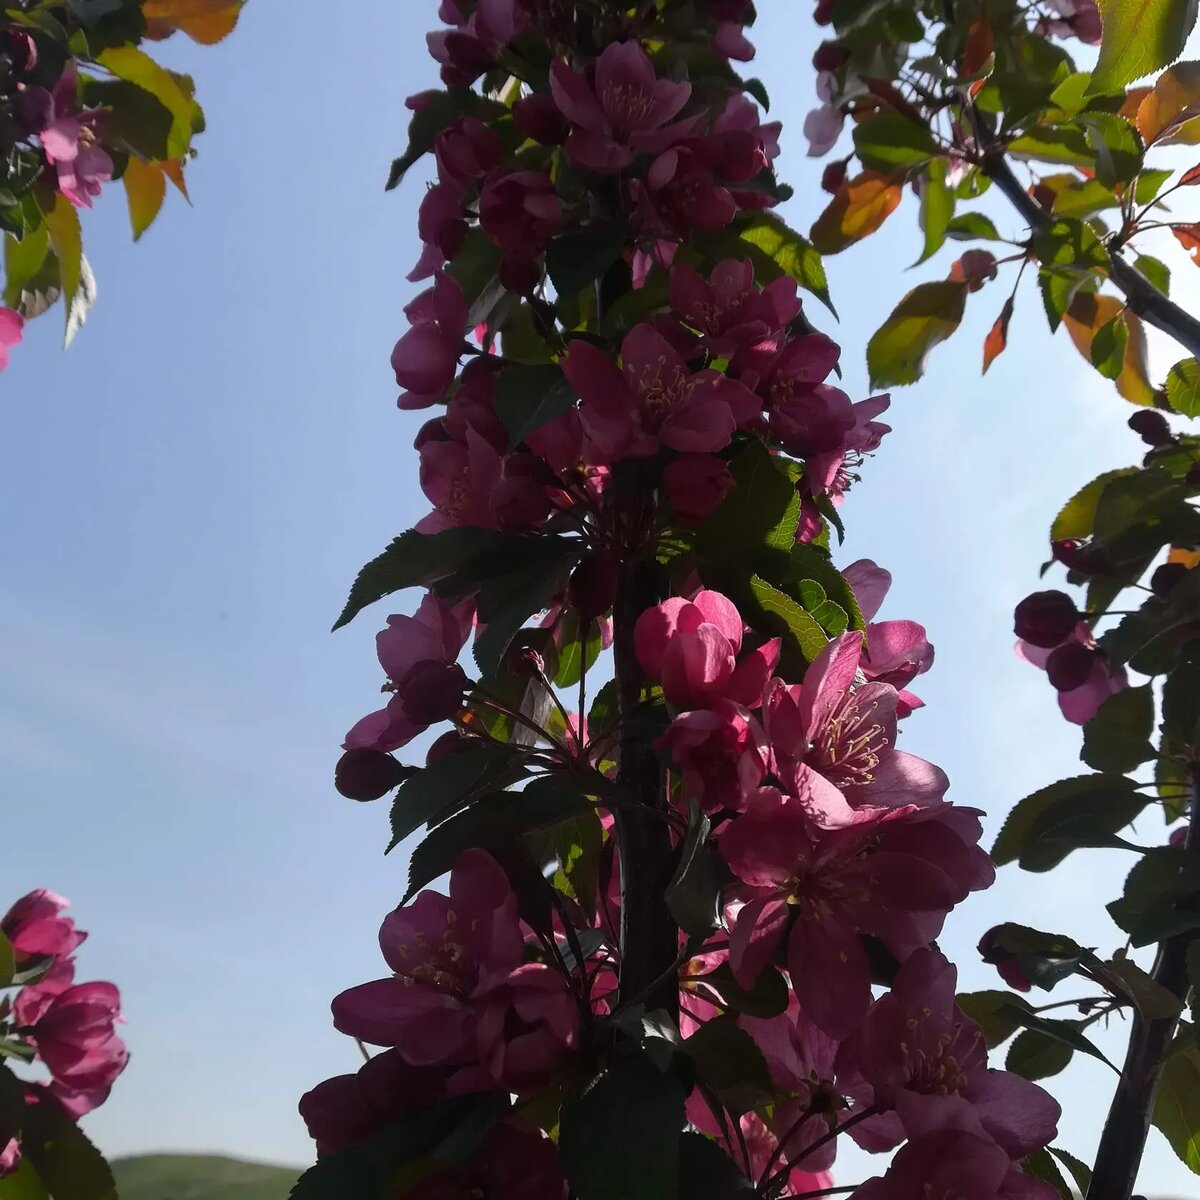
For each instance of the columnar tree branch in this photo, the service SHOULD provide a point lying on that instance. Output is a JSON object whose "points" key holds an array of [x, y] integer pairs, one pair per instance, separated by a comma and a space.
{"points": [[1140, 294], [1124, 1139]]}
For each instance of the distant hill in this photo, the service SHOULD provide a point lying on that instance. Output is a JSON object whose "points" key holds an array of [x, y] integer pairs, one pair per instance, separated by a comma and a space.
{"points": [[200, 1177]]}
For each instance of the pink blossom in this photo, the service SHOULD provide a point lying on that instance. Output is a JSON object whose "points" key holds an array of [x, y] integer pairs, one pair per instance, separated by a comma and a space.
{"points": [[817, 891], [680, 194], [466, 150], [742, 113], [12, 325], [10, 1154], [846, 733], [441, 227], [419, 656], [951, 1163], [653, 398], [460, 479], [539, 118], [516, 1162], [823, 127], [619, 109], [926, 1062], [780, 369], [76, 1038], [727, 309], [519, 210], [721, 753], [426, 357], [696, 484], [70, 142], [440, 948], [467, 51], [37, 929], [896, 652], [731, 42], [691, 647], [1079, 671]]}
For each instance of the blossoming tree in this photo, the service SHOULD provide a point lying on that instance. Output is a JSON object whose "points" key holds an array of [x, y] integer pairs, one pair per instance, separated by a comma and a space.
{"points": [[695, 885]]}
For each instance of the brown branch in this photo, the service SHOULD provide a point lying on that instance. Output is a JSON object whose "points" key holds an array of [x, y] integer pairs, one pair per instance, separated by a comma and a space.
{"points": [[1141, 296], [1123, 1141]]}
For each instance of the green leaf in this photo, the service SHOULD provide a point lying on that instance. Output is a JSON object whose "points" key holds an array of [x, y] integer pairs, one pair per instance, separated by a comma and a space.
{"points": [[1046, 959], [1177, 1105], [1117, 738], [8, 961], [1059, 286], [1072, 243], [831, 617], [620, 1139], [435, 792], [577, 845], [22, 261], [440, 110], [1181, 705], [1035, 1056], [791, 253], [755, 528], [1065, 144], [1078, 517], [1183, 387], [1140, 36], [706, 1172], [1066, 1032], [66, 1162], [171, 91], [459, 559], [1161, 898], [135, 120], [24, 1184], [1074, 813], [1108, 347], [1117, 147], [505, 602], [694, 895], [576, 260], [1041, 1166], [1126, 980], [929, 314], [1083, 198], [937, 208], [767, 998], [892, 140], [78, 284], [528, 397], [1156, 272], [803, 639], [575, 657], [993, 1012], [972, 225], [730, 1064], [1149, 184], [1193, 969], [1079, 1172]]}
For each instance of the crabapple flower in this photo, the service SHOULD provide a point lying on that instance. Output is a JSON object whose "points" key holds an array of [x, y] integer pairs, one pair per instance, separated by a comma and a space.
{"points": [[720, 751], [466, 150], [426, 357], [954, 1165], [36, 928], [519, 210], [810, 893], [727, 309], [846, 734], [419, 655], [653, 398], [620, 110], [467, 51], [926, 1063], [696, 484], [12, 326], [680, 194], [69, 141], [691, 648], [1079, 671]]}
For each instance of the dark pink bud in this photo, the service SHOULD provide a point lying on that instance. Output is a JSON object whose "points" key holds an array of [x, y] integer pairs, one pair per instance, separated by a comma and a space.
{"points": [[432, 691], [593, 586], [823, 13], [1046, 619], [538, 117], [519, 274], [1070, 666], [365, 775], [466, 150], [520, 502], [525, 660], [1005, 962], [1151, 427], [833, 176], [829, 56], [21, 51], [1167, 578], [449, 744]]}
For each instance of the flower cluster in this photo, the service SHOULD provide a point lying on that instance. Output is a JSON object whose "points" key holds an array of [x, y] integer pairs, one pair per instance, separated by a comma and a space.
{"points": [[601, 423], [68, 1027]]}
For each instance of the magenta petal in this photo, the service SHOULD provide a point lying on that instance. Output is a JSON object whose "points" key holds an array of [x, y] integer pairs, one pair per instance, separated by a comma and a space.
{"points": [[755, 938], [830, 975], [871, 584], [1021, 1116], [828, 679], [427, 1026], [575, 98], [721, 612], [749, 679], [597, 152]]}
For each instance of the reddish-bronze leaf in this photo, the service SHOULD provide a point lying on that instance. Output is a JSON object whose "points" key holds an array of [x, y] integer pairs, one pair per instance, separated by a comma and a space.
{"points": [[204, 21], [1192, 177], [1088, 314], [996, 341], [860, 207], [1174, 99], [981, 45], [1188, 236]]}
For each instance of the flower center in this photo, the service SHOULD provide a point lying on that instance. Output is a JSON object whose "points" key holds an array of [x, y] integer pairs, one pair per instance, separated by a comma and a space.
{"points": [[627, 106], [661, 392], [847, 751]]}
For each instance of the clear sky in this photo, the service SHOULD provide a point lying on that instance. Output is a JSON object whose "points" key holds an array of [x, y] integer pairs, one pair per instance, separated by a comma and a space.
{"points": [[190, 490]]}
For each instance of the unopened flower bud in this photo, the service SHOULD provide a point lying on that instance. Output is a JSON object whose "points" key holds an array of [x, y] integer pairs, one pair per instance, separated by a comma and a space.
{"points": [[833, 176], [829, 56], [1167, 578], [1045, 619], [432, 691], [1070, 666], [1151, 427], [449, 744], [593, 587], [1005, 961], [365, 775]]}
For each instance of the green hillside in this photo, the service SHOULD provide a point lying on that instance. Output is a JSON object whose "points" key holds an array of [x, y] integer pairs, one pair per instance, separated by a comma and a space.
{"points": [[200, 1177]]}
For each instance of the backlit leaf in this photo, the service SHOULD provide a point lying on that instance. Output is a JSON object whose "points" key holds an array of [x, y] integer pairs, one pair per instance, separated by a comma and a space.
{"points": [[1087, 315], [1183, 387], [204, 21], [929, 314], [1175, 98], [997, 339], [792, 253], [937, 207], [134, 66], [891, 141], [860, 207], [145, 190], [1177, 1105], [1140, 36]]}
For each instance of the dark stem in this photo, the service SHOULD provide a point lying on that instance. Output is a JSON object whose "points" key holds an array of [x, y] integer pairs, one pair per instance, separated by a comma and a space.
{"points": [[1141, 295], [1124, 1139], [649, 937]]}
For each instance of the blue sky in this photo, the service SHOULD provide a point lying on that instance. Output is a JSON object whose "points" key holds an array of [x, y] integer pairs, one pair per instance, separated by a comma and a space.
{"points": [[191, 488]]}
